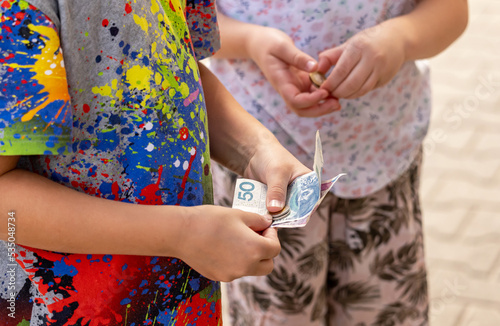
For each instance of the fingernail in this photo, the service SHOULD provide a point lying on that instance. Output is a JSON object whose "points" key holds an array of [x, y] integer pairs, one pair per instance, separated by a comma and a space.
{"points": [[276, 203], [310, 65]]}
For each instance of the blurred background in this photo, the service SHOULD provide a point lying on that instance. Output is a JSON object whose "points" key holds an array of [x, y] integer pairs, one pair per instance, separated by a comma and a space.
{"points": [[461, 176]]}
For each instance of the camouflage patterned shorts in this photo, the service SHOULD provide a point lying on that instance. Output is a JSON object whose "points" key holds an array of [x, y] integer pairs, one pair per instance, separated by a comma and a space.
{"points": [[358, 262]]}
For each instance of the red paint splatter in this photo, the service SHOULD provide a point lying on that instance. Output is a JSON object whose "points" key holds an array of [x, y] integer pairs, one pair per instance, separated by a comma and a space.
{"points": [[47, 161], [6, 4], [74, 171], [20, 15], [89, 189], [105, 23], [184, 180], [200, 312], [171, 6], [86, 108], [184, 133], [115, 190], [152, 192], [99, 298], [128, 8]]}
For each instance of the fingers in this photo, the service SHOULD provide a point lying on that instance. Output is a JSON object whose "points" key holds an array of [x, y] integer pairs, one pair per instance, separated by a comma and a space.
{"points": [[296, 99], [265, 267], [274, 247], [356, 79], [256, 222], [296, 58], [271, 249], [347, 61], [315, 103], [266, 246], [329, 58], [370, 84], [325, 107]]}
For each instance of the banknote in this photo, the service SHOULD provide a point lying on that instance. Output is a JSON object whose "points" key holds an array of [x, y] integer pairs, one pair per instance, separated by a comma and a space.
{"points": [[304, 195], [301, 221]]}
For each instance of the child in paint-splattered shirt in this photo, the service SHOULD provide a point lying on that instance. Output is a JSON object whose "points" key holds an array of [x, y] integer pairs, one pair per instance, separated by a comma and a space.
{"points": [[102, 109]]}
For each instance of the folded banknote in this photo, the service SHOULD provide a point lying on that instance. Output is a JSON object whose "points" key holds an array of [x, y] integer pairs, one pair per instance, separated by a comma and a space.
{"points": [[304, 195]]}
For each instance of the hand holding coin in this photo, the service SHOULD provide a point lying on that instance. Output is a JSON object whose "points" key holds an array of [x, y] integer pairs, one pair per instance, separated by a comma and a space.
{"points": [[317, 78]]}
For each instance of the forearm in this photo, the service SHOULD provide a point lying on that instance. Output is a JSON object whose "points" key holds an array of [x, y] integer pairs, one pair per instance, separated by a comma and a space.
{"points": [[235, 135], [53, 217], [235, 37], [431, 27]]}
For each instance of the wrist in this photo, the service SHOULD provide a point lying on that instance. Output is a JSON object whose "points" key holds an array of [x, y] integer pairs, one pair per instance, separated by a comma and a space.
{"points": [[168, 229], [401, 34], [255, 42]]}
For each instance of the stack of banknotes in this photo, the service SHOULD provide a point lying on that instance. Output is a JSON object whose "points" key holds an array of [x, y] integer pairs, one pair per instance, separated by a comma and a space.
{"points": [[304, 195]]}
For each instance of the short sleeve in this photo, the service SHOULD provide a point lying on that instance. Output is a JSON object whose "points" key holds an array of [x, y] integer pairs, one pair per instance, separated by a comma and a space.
{"points": [[201, 16], [35, 111]]}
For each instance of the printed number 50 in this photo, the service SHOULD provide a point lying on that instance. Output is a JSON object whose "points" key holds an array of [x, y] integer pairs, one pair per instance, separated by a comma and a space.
{"points": [[246, 188]]}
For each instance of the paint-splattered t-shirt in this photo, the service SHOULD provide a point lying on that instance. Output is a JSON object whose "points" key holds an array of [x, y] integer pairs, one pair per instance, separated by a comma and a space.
{"points": [[105, 97]]}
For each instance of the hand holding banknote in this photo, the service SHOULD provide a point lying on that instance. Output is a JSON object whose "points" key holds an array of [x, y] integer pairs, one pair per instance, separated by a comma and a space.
{"points": [[304, 195], [274, 166]]}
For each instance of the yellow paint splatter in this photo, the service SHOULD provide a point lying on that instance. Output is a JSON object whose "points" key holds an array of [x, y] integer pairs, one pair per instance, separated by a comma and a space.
{"points": [[184, 89], [102, 90], [158, 78], [155, 7], [49, 72], [194, 66], [142, 22], [138, 77], [119, 94]]}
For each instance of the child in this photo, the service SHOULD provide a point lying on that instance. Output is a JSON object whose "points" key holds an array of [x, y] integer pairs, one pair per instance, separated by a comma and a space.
{"points": [[105, 165], [360, 260]]}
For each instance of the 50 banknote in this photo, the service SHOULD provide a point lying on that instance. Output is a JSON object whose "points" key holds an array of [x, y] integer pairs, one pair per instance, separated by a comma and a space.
{"points": [[304, 195]]}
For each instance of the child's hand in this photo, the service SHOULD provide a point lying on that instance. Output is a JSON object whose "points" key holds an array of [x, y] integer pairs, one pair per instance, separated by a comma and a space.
{"points": [[273, 165], [368, 60], [287, 69], [223, 244]]}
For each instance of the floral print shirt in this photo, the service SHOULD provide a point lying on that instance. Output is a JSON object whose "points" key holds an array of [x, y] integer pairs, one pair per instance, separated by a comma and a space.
{"points": [[374, 138]]}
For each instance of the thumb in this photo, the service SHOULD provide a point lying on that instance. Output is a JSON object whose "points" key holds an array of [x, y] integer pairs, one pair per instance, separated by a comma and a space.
{"points": [[277, 184], [257, 222], [296, 58]]}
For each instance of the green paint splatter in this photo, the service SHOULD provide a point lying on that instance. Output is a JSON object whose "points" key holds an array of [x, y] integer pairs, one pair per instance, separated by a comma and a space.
{"points": [[24, 322]]}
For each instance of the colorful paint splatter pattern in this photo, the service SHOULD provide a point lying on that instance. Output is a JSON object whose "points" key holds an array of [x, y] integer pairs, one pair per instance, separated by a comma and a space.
{"points": [[132, 107], [34, 103]]}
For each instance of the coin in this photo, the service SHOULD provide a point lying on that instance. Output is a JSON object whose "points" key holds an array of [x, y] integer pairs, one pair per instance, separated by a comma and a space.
{"points": [[281, 214], [317, 78]]}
